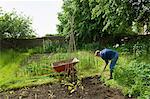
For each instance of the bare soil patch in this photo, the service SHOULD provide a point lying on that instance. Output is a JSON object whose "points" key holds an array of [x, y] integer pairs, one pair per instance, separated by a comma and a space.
{"points": [[92, 89]]}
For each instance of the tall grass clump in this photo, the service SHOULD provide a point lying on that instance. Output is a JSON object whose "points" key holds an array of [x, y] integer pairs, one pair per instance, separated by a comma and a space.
{"points": [[87, 66], [9, 65]]}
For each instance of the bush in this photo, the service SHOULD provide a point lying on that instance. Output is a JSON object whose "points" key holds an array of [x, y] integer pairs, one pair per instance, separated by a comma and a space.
{"points": [[137, 48], [56, 46], [89, 46], [136, 77]]}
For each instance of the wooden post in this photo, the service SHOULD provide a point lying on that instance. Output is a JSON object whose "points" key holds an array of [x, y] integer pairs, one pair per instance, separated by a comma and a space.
{"points": [[72, 46]]}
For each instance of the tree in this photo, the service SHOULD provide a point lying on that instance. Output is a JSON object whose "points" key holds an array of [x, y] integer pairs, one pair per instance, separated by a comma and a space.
{"points": [[13, 25], [85, 28], [141, 12], [122, 15], [117, 15], [97, 18]]}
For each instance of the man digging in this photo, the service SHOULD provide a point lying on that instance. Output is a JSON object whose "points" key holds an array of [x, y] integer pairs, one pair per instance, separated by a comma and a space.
{"points": [[108, 55]]}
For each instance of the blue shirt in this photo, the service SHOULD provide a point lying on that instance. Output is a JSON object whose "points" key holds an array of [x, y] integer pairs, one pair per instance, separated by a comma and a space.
{"points": [[107, 54]]}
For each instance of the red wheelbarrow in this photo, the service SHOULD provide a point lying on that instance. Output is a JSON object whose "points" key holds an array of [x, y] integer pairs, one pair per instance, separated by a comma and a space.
{"points": [[65, 65]]}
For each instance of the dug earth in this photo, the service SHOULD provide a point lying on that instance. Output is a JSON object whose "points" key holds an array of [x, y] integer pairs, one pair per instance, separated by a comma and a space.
{"points": [[92, 88]]}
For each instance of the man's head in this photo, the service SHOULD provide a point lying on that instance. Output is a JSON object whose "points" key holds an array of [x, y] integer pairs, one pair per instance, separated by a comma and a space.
{"points": [[97, 53]]}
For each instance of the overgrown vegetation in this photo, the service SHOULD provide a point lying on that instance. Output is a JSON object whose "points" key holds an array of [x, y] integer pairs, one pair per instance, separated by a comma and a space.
{"points": [[132, 74], [40, 71], [90, 20]]}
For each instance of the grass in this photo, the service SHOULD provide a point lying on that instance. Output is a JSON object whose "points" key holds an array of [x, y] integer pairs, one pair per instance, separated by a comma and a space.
{"points": [[27, 81], [9, 65], [12, 75], [88, 63]]}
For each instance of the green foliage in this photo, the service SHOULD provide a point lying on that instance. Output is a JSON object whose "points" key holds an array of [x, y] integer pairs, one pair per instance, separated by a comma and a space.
{"points": [[13, 25], [88, 63], [135, 76], [36, 50], [49, 47], [15, 75], [85, 29], [116, 14], [140, 10], [97, 18], [132, 74], [9, 64], [89, 46], [56, 46], [137, 47], [135, 27]]}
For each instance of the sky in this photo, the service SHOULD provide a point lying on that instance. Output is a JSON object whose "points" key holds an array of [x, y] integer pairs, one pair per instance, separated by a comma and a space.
{"points": [[42, 12]]}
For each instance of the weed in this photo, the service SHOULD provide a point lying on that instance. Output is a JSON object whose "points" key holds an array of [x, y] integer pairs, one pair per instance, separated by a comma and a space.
{"points": [[135, 76]]}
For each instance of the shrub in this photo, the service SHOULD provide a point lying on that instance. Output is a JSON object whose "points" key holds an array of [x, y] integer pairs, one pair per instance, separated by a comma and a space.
{"points": [[135, 76]]}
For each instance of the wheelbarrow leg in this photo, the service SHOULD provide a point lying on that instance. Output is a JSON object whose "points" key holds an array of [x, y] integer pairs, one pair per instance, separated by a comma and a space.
{"points": [[73, 75], [71, 72]]}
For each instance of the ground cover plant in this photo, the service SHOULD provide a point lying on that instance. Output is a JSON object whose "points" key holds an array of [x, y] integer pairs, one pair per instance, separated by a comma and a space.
{"points": [[134, 72], [136, 77]]}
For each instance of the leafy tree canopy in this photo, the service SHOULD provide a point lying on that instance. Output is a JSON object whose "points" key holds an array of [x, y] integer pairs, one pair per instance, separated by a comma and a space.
{"points": [[96, 18], [13, 25]]}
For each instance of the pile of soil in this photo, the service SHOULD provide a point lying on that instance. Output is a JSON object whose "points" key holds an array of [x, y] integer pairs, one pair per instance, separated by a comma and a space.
{"points": [[92, 89]]}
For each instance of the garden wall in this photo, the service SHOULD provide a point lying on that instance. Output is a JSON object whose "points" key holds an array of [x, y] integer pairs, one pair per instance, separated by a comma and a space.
{"points": [[29, 43]]}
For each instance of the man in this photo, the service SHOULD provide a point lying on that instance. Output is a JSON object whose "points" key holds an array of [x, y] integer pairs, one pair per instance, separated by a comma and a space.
{"points": [[107, 55]]}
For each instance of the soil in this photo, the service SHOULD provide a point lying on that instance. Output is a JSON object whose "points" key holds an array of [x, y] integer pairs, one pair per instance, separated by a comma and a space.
{"points": [[89, 88]]}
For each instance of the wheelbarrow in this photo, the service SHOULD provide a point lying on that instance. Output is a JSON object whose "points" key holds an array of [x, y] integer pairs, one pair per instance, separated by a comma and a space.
{"points": [[66, 66]]}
